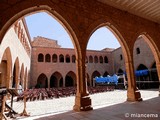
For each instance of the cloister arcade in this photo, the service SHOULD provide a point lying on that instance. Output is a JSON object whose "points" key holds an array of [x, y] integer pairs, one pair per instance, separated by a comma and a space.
{"points": [[81, 18], [15, 61], [67, 59]]}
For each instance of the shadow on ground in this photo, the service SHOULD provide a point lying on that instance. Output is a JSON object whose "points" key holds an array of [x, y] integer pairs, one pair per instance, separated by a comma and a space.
{"points": [[144, 110]]}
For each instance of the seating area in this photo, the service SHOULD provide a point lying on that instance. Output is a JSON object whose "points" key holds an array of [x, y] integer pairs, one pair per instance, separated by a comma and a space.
{"points": [[50, 93]]}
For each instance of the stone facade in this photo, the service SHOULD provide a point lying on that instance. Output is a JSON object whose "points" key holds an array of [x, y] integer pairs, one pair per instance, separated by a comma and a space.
{"points": [[145, 56], [15, 56], [61, 62]]}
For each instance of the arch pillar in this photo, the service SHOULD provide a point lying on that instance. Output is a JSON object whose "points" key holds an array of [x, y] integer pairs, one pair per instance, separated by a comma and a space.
{"points": [[94, 82], [18, 82], [82, 100], [58, 81], [133, 94], [25, 80], [9, 77], [26, 83], [64, 82], [9, 81], [22, 82], [48, 81]]}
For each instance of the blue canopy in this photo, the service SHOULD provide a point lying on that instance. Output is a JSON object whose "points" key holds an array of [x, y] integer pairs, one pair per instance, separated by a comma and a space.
{"points": [[141, 72], [108, 79]]}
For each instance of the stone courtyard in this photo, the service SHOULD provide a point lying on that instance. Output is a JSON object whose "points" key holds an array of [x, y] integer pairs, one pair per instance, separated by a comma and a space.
{"points": [[53, 107]]}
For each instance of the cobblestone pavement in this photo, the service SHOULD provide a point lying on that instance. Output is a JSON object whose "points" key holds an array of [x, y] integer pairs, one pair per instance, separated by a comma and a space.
{"points": [[43, 108]]}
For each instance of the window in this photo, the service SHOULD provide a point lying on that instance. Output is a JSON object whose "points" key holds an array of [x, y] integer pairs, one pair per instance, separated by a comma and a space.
{"points": [[90, 59], [101, 59], [95, 59], [67, 59], [137, 50], [73, 58], [54, 58], [61, 58], [121, 57], [106, 59], [40, 57], [47, 58]]}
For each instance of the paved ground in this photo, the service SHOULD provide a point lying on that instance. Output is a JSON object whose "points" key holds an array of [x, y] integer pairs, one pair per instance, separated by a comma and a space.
{"points": [[108, 105]]}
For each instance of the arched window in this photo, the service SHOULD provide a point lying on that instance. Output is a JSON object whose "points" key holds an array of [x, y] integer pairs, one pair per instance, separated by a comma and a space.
{"points": [[138, 50], [90, 59], [61, 58], [105, 74], [121, 57], [40, 57], [54, 58], [142, 67], [120, 72], [106, 59], [67, 59], [73, 58], [47, 58], [95, 59], [101, 59]]}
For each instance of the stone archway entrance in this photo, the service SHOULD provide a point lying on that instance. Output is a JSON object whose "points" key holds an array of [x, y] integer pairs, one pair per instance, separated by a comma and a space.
{"points": [[56, 80], [42, 81], [53, 82], [70, 79]]}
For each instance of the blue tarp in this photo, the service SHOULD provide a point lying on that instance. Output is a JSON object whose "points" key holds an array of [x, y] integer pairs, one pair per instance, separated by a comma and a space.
{"points": [[140, 72], [108, 79]]}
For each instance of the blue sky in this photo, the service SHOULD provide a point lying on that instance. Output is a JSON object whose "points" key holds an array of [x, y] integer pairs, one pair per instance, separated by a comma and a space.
{"points": [[42, 24]]}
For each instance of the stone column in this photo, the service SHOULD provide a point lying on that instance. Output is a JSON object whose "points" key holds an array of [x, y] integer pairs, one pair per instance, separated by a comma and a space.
{"points": [[58, 81], [10, 81], [94, 82], [18, 83], [64, 82], [9, 78], [22, 82], [25, 82], [48, 82], [82, 100], [158, 72], [133, 94]]}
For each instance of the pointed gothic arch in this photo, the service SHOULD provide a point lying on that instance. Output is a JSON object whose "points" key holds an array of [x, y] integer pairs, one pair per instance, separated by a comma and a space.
{"points": [[94, 74], [126, 50], [6, 67], [42, 81], [21, 77], [105, 74], [70, 79], [56, 80], [40, 57], [154, 50], [15, 73]]}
